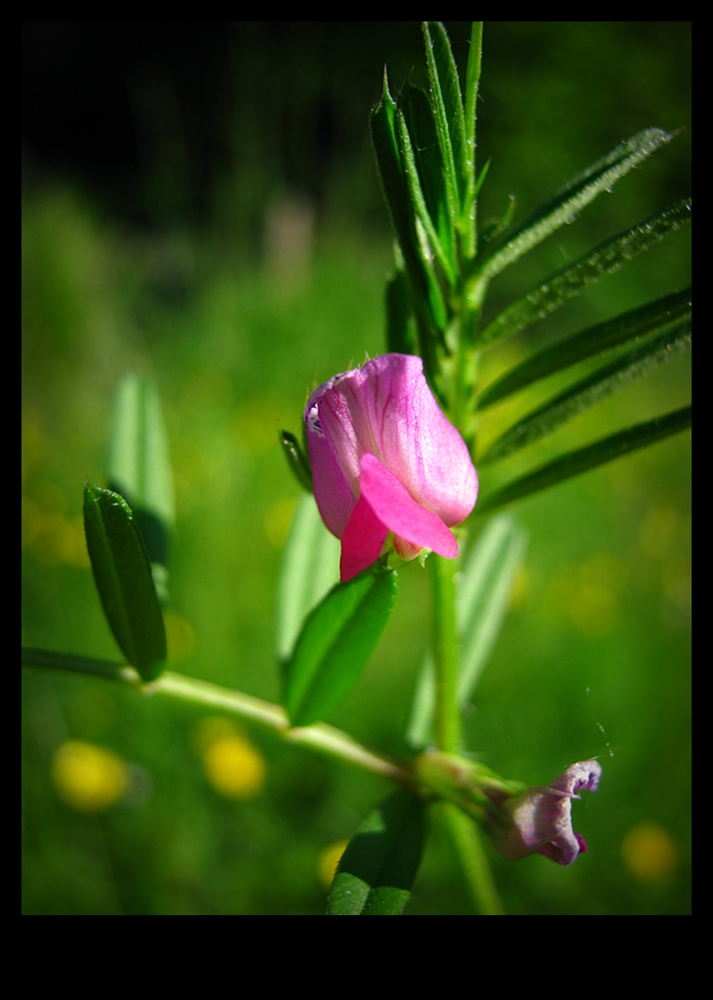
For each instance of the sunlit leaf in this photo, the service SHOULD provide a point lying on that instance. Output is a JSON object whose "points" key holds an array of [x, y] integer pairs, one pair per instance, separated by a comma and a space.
{"points": [[139, 468], [336, 642], [122, 574], [484, 588], [377, 870], [310, 567]]}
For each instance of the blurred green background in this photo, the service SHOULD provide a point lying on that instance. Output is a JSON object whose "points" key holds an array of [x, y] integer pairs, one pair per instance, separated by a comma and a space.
{"points": [[200, 206]]}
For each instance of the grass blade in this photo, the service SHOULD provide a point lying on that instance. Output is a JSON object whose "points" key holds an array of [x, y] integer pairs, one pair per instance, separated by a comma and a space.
{"points": [[584, 459], [594, 340], [610, 378], [570, 280], [484, 595], [565, 204], [482, 598]]}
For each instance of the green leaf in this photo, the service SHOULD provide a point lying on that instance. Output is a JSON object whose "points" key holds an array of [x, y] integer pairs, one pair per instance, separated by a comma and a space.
{"points": [[449, 116], [565, 204], [594, 340], [469, 215], [610, 378], [424, 175], [139, 469], [378, 868], [428, 304], [296, 459], [576, 462], [335, 643], [122, 573], [310, 567], [608, 257], [482, 598]]}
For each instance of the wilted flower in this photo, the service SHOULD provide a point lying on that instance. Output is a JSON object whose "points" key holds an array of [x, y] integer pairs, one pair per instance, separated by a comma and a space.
{"points": [[540, 819], [386, 460]]}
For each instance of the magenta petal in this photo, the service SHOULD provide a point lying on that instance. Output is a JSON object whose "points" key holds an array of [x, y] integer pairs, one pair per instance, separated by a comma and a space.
{"points": [[395, 507], [362, 541]]}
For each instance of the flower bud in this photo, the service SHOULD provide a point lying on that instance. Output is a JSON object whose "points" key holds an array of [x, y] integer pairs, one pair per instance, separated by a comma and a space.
{"points": [[386, 461]]}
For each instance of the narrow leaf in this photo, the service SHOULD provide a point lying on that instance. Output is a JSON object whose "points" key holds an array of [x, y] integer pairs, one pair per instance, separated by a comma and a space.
{"points": [[429, 306], [448, 112], [443, 250], [484, 596], [378, 868], [469, 216], [594, 340], [419, 145], [584, 459], [564, 205], [139, 469], [336, 642], [608, 257], [122, 574], [610, 378], [296, 459], [310, 567]]}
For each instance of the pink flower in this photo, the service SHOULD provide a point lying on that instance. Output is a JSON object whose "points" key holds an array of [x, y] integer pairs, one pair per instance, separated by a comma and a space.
{"points": [[386, 460], [541, 818]]}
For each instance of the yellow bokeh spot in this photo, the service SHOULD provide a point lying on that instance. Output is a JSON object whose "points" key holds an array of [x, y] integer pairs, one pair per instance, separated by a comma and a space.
{"points": [[87, 777], [234, 767], [649, 853], [328, 861]]}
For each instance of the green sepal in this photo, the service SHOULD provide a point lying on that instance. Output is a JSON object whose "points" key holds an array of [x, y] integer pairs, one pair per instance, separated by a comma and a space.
{"points": [[377, 870], [335, 643], [297, 460], [122, 573]]}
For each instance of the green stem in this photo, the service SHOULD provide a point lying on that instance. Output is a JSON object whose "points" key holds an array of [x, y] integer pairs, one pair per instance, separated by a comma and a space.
{"points": [[320, 737], [445, 649], [465, 837]]}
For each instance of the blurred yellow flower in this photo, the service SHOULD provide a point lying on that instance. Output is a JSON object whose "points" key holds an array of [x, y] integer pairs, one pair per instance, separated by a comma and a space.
{"points": [[328, 861], [649, 853], [87, 777], [233, 766]]}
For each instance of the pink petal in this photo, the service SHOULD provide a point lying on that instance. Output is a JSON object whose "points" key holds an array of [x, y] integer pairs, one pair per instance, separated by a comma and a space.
{"points": [[362, 541], [395, 507]]}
